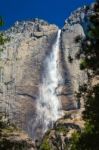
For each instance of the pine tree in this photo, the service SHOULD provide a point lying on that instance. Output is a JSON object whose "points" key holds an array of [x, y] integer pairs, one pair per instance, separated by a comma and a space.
{"points": [[88, 139]]}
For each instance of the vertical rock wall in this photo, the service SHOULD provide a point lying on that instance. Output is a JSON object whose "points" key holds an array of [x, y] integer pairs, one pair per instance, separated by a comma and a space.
{"points": [[20, 69], [72, 29]]}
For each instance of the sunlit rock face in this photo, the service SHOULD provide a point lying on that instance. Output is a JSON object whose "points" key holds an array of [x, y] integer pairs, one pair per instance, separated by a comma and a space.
{"points": [[34, 48], [75, 26], [61, 134], [21, 65], [49, 108], [34, 62]]}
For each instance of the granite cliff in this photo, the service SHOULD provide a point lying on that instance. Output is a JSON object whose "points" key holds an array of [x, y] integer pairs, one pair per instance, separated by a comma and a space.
{"points": [[22, 65]]}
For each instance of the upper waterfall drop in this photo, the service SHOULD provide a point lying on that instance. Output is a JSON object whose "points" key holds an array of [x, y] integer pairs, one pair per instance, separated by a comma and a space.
{"points": [[49, 106]]}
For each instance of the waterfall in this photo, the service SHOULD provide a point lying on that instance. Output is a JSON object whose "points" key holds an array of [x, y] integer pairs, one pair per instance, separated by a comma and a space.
{"points": [[48, 104]]}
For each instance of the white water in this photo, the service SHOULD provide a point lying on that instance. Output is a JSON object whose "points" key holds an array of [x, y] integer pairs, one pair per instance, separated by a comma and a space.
{"points": [[48, 105]]}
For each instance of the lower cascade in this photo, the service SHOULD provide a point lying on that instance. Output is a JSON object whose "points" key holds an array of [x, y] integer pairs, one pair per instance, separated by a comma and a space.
{"points": [[48, 104]]}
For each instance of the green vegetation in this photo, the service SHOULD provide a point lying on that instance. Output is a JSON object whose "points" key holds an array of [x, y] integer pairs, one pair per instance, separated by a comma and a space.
{"points": [[88, 139], [90, 45], [3, 39], [61, 129], [8, 131], [10, 136], [78, 39], [83, 64], [57, 142], [1, 21], [45, 142], [8, 145], [52, 139], [45, 145]]}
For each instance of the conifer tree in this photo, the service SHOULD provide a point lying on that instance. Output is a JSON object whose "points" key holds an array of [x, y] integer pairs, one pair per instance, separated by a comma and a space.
{"points": [[88, 139]]}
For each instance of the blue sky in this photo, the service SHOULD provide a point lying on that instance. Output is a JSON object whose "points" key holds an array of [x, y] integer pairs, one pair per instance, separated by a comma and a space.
{"points": [[53, 11]]}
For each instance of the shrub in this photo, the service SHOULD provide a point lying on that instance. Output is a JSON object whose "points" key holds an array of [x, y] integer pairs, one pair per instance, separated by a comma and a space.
{"points": [[45, 145], [78, 39], [61, 128], [83, 65], [1, 21], [70, 59]]}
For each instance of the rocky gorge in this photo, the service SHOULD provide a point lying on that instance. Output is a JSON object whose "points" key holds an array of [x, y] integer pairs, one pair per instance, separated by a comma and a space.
{"points": [[22, 67]]}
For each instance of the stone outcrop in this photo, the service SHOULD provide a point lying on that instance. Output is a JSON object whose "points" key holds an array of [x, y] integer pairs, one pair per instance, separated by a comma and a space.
{"points": [[59, 138], [73, 31], [74, 28], [21, 67], [21, 62], [13, 138]]}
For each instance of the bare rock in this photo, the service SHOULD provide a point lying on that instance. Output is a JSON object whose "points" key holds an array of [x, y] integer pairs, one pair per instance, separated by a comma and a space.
{"points": [[21, 68]]}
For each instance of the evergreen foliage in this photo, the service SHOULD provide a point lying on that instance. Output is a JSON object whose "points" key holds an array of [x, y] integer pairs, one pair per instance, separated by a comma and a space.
{"points": [[1, 21], [88, 139]]}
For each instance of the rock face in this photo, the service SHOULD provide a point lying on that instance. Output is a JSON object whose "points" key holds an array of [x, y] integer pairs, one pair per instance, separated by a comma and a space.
{"points": [[13, 138], [59, 138], [74, 28], [21, 66], [20, 69]]}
